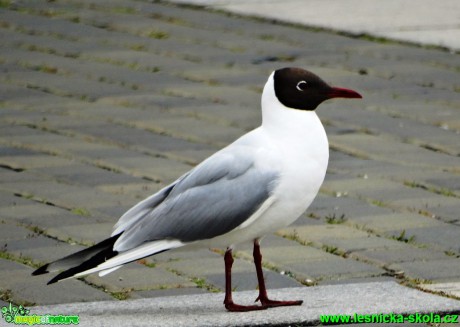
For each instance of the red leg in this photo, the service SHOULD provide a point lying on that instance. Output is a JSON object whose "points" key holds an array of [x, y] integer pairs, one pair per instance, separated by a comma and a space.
{"points": [[263, 297], [229, 304]]}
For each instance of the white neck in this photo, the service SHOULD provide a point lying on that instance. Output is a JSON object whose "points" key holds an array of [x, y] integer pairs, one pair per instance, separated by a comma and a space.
{"points": [[281, 120]]}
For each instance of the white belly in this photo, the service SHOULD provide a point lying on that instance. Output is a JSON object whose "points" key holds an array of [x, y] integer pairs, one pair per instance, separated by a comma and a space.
{"points": [[297, 189]]}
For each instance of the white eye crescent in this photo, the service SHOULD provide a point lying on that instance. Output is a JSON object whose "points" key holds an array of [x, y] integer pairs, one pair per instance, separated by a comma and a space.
{"points": [[301, 86]]}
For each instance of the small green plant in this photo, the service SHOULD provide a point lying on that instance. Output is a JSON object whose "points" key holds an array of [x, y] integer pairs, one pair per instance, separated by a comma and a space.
{"points": [[330, 249], [201, 283], [138, 47], [147, 263], [402, 237], [333, 220], [123, 10], [21, 259], [5, 3], [158, 35], [81, 212], [378, 203], [124, 295], [75, 19], [451, 253]]}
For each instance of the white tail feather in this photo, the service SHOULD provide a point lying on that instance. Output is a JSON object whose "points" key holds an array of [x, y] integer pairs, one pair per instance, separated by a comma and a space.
{"points": [[108, 271], [131, 255]]}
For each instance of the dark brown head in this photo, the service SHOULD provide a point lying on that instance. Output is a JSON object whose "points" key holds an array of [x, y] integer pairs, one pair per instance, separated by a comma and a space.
{"points": [[297, 88]]}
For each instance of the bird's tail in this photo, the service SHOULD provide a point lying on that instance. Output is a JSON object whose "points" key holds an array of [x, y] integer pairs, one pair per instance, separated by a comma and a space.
{"points": [[102, 258], [80, 261]]}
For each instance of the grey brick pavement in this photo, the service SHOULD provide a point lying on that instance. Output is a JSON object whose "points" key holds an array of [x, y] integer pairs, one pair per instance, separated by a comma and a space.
{"points": [[104, 102]]}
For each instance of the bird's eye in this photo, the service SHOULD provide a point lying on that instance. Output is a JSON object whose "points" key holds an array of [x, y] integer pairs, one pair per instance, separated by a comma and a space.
{"points": [[301, 86]]}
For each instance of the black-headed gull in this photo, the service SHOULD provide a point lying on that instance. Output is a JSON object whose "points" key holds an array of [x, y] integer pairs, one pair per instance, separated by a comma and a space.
{"points": [[261, 182]]}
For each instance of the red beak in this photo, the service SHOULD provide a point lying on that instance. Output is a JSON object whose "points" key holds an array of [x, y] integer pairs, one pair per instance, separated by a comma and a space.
{"points": [[337, 92]]}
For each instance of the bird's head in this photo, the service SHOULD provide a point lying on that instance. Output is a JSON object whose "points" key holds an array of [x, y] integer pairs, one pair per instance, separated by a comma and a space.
{"points": [[297, 88]]}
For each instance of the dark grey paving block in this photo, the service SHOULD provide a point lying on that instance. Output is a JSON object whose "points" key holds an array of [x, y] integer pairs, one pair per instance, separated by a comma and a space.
{"points": [[87, 175], [167, 292], [8, 199], [29, 289], [443, 237], [10, 232], [335, 268], [450, 183], [10, 151], [404, 253], [432, 270], [139, 277]]}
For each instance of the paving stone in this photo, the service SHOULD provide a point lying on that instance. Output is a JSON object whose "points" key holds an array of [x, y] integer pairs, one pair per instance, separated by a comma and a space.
{"points": [[8, 199], [167, 292], [394, 152], [47, 43], [397, 222], [452, 289], [81, 174], [206, 266], [23, 212], [156, 168], [142, 139], [335, 268], [340, 204], [137, 277], [403, 128], [50, 252], [11, 231], [433, 270], [404, 253], [62, 86], [17, 246], [25, 289], [361, 243], [324, 232], [6, 151], [105, 73], [282, 256], [46, 216], [44, 26], [445, 236], [136, 191], [143, 60], [111, 213], [28, 162], [449, 183], [56, 193], [85, 233]]}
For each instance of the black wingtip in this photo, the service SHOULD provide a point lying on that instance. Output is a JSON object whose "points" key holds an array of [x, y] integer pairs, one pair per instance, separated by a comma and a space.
{"points": [[81, 260], [42, 270], [52, 281]]}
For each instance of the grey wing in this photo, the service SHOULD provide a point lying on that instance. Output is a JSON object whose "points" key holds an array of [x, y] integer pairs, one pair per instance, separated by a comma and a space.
{"points": [[212, 199]]}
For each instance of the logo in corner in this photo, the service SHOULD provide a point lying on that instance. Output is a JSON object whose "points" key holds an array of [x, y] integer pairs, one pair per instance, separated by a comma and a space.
{"points": [[20, 316], [11, 311]]}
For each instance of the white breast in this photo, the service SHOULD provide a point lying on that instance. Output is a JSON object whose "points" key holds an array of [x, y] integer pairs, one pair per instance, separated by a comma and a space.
{"points": [[294, 143]]}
